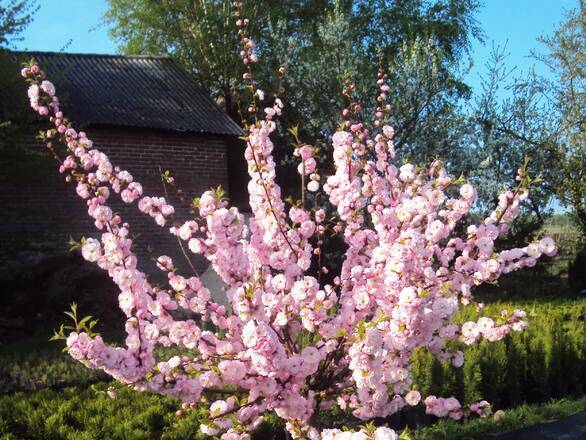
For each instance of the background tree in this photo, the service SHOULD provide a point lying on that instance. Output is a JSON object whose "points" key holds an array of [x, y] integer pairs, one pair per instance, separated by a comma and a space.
{"points": [[540, 118], [14, 17], [566, 59], [423, 45], [199, 34], [505, 128]]}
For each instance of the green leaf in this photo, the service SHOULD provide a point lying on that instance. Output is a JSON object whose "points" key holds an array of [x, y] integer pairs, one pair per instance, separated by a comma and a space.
{"points": [[406, 434]]}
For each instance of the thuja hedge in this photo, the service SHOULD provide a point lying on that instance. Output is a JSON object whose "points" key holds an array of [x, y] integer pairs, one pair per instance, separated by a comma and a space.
{"points": [[546, 361]]}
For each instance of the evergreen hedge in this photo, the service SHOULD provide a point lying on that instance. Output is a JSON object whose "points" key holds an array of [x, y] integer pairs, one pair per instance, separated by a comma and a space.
{"points": [[548, 360]]}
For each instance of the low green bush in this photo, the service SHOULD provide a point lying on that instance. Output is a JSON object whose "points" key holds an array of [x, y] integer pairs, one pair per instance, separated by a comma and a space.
{"points": [[76, 413]]}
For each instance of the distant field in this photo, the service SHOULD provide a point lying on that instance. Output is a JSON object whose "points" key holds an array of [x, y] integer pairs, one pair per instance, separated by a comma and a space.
{"points": [[566, 235], [569, 242]]}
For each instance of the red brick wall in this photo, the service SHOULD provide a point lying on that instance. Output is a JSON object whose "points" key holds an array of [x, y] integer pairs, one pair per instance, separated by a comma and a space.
{"points": [[41, 211]]}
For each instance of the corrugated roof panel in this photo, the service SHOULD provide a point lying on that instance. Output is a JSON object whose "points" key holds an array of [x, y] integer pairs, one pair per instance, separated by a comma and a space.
{"points": [[150, 92]]}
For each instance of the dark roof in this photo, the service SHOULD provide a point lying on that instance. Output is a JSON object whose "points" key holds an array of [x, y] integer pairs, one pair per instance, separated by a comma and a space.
{"points": [[133, 91]]}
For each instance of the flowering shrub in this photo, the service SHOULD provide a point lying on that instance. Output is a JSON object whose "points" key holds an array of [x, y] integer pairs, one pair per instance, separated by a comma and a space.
{"points": [[291, 343]]}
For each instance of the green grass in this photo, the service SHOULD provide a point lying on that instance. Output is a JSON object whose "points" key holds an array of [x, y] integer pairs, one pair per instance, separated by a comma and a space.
{"points": [[517, 418]]}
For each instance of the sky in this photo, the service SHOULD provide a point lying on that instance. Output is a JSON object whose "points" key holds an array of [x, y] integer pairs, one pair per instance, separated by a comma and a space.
{"points": [[77, 26], [516, 24], [70, 26]]}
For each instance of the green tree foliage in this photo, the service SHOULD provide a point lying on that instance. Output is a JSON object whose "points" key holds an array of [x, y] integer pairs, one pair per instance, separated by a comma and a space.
{"points": [[424, 46], [14, 17], [201, 35], [566, 58]]}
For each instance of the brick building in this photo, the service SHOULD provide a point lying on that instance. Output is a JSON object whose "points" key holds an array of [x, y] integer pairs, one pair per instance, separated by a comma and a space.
{"points": [[147, 115]]}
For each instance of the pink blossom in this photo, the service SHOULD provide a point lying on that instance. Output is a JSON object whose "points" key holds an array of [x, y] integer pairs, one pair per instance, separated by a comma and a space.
{"points": [[208, 429], [547, 246], [305, 152], [48, 88], [413, 397], [468, 192], [91, 250], [313, 186], [307, 228]]}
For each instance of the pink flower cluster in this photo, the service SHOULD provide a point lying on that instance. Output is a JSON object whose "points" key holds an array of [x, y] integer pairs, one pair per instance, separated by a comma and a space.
{"points": [[380, 433], [440, 407], [482, 408], [308, 166], [289, 343], [450, 407]]}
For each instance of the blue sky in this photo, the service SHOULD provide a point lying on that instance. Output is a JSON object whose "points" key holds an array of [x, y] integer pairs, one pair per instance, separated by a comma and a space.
{"points": [[69, 25], [516, 23], [75, 26]]}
